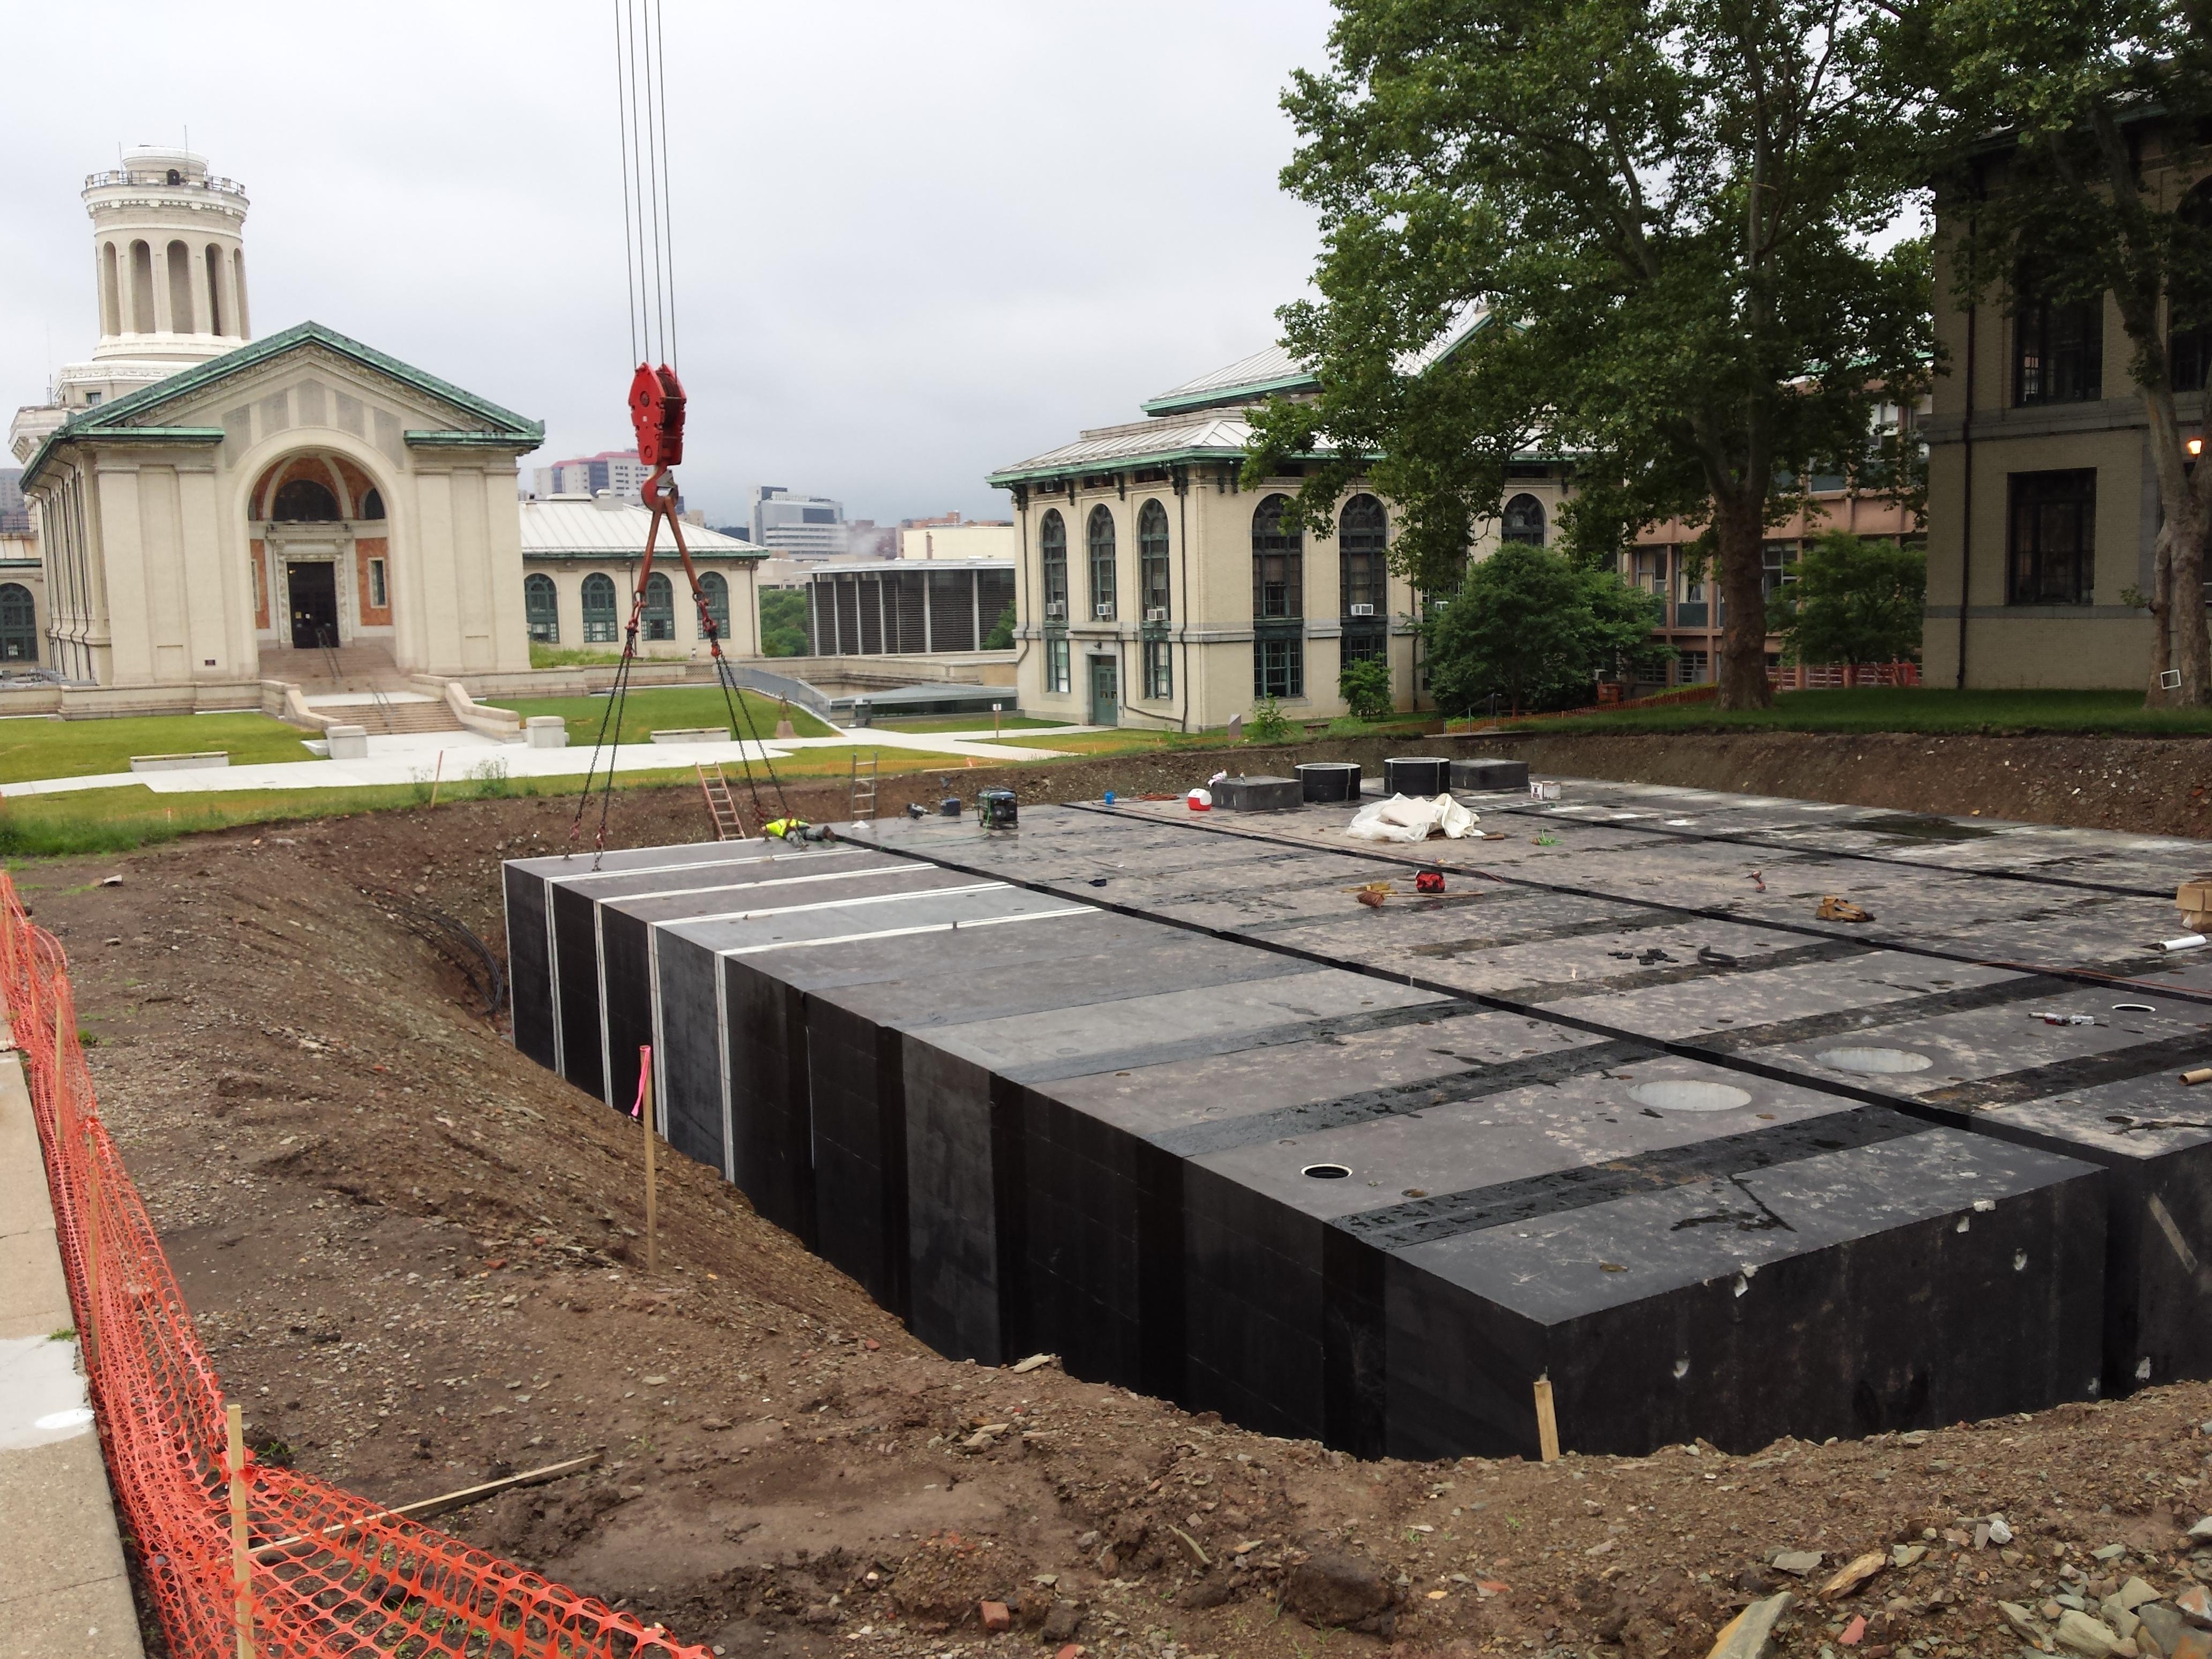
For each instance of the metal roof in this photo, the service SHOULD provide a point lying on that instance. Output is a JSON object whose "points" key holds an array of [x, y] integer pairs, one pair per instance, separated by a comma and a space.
{"points": [[1204, 437], [1247, 379], [896, 566], [581, 527]]}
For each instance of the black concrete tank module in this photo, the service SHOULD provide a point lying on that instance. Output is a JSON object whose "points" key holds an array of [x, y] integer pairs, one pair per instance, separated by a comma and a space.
{"points": [[1328, 781], [1482, 773], [1416, 774]]}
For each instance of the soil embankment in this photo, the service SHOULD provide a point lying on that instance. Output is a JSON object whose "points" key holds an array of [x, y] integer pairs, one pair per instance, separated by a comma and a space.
{"points": [[416, 1256]]}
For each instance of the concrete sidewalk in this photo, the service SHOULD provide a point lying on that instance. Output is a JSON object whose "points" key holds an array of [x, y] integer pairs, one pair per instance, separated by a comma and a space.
{"points": [[63, 1588]]}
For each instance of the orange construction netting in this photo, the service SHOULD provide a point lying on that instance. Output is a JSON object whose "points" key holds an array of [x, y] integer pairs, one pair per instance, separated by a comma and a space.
{"points": [[325, 1572]]}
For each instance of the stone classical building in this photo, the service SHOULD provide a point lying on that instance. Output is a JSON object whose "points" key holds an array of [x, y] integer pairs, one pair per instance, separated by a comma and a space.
{"points": [[207, 507], [580, 555], [1155, 589], [2043, 506]]}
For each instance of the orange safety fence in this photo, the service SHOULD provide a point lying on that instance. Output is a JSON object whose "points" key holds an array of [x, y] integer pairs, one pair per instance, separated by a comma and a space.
{"points": [[327, 1573]]}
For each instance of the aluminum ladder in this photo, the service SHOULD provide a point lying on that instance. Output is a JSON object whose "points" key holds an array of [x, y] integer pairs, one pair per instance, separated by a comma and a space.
{"points": [[863, 799], [721, 805]]}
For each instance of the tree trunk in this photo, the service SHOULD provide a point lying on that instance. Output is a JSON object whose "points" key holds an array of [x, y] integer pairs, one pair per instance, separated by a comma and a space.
{"points": [[1739, 536], [2184, 499], [2184, 615], [2155, 696]]}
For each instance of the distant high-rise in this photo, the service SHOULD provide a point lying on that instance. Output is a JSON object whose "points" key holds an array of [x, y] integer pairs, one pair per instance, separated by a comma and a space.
{"points": [[789, 523], [617, 471]]}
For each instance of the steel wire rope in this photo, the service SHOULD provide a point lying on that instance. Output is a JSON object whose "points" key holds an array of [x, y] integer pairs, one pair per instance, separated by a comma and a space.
{"points": [[668, 193]]}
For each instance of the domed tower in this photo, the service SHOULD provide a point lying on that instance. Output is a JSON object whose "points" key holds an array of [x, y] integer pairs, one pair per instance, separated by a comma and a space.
{"points": [[169, 268]]}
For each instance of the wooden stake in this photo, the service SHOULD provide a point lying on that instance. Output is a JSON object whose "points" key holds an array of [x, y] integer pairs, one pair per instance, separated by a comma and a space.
{"points": [[1548, 1422], [241, 1559], [424, 1508], [91, 1259], [651, 1194], [437, 776]]}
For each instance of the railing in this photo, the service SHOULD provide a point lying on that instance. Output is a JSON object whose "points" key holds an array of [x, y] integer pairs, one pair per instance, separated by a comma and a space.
{"points": [[158, 178], [1836, 676]]}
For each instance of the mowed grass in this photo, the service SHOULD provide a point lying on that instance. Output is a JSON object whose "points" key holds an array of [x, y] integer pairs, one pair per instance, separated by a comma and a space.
{"points": [[965, 723], [34, 747], [664, 708], [1920, 709]]}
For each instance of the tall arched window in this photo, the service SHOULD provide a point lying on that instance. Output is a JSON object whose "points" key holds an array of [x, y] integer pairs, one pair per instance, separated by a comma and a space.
{"points": [[541, 608], [1152, 560], [211, 259], [659, 619], [600, 622], [1278, 604], [1278, 562], [1524, 521], [19, 625], [1154, 588], [716, 587], [1363, 532], [179, 260], [304, 500], [1052, 549], [141, 289], [1099, 535]]}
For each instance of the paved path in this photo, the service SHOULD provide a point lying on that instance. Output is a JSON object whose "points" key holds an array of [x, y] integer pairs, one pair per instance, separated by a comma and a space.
{"points": [[456, 756], [63, 1591]]}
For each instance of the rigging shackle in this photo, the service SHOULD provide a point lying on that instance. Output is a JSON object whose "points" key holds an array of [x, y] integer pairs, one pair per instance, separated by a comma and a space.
{"points": [[656, 413]]}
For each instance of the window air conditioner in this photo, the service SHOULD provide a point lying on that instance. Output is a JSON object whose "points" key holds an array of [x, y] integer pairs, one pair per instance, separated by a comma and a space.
{"points": [[1056, 608], [1157, 613], [1363, 610], [1105, 612]]}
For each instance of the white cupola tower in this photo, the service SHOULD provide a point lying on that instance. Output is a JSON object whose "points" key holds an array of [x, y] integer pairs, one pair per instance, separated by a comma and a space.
{"points": [[169, 269]]}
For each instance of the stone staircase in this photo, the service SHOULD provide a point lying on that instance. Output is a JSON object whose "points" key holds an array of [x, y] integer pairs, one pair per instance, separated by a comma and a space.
{"points": [[380, 718]]}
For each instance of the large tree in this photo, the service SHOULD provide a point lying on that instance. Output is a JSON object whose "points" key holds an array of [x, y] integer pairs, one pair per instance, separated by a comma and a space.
{"points": [[2071, 131], [1662, 216]]}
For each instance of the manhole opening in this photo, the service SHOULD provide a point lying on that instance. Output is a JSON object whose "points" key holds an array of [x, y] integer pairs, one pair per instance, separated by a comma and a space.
{"points": [[1325, 1171], [1879, 1062], [1684, 1095]]}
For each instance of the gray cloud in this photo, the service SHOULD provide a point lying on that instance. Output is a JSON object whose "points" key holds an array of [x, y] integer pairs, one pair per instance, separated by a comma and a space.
{"points": [[913, 241]]}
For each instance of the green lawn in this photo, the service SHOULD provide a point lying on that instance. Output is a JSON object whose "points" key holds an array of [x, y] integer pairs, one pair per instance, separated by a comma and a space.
{"points": [[1921, 709], [962, 723], [663, 709], [36, 748]]}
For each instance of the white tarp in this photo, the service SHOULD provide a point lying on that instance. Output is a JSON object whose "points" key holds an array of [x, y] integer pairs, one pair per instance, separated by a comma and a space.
{"points": [[1410, 819]]}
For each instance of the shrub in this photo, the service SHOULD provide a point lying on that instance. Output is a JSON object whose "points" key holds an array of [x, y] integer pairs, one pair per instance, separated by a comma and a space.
{"points": [[1365, 685]]}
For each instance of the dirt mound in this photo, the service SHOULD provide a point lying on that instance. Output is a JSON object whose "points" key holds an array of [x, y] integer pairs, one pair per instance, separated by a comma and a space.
{"points": [[416, 1256]]}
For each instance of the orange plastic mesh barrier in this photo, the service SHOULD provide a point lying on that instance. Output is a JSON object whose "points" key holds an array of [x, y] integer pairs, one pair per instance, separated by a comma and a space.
{"points": [[329, 1574]]}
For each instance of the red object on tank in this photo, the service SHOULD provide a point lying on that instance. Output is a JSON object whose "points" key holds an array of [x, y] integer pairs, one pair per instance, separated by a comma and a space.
{"points": [[656, 411], [1429, 881]]}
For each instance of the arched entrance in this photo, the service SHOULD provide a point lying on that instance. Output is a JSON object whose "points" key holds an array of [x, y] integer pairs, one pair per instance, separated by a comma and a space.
{"points": [[321, 551]]}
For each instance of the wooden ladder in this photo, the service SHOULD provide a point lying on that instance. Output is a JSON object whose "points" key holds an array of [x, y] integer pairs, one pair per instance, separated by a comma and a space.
{"points": [[863, 787], [721, 805]]}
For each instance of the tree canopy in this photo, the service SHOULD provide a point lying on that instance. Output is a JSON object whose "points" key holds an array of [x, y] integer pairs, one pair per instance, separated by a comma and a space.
{"points": [[1854, 601], [1637, 235], [1532, 629]]}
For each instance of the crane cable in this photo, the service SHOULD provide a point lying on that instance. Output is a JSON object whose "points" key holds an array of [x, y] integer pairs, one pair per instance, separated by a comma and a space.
{"points": [[648, 257]]}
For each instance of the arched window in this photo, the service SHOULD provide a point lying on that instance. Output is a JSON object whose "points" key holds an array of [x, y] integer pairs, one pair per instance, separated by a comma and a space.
{"points": [[600, 622], [1363, 530], [716, 586], [1278, 562], [541, 608], [1099, 534], [141, 289], [1278, 604], [212, 260], [304, 500], [1152, 560], [1052, 548], [372, 503], [1524, 521], [111, 292], [19, 625], [180, 289], [659, 621]]}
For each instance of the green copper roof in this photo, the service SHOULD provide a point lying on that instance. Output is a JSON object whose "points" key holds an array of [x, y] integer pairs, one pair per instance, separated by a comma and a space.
{"points": [[493, 425]]}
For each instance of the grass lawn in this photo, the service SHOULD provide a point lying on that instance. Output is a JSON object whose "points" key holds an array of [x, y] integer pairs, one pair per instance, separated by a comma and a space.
{"points": [[38, 748], [962, 723], [663, 709], [1921, 709]]}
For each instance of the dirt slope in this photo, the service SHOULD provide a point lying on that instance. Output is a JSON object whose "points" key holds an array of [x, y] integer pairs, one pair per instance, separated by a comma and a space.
{"points": [[415, 1254]]}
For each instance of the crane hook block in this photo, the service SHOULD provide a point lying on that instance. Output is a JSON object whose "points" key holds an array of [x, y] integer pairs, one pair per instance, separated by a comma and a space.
{"points": [[656, 410]]}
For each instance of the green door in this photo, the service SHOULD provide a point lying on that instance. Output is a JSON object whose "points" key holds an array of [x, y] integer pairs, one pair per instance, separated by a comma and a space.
{"points": [[1105, 699]]}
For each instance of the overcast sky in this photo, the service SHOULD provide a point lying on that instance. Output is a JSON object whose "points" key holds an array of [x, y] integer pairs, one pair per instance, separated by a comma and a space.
{"points": [[914, 242]]}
